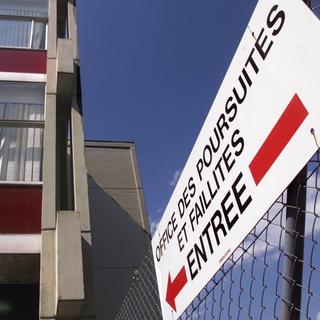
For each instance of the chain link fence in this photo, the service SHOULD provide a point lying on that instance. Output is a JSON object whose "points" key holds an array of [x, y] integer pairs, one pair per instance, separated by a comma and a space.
{"points": [[142, 300], [254, 283]]}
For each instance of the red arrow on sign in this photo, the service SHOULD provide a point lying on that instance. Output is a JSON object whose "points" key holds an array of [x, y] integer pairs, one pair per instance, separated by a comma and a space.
{"points": [[174, 287]]}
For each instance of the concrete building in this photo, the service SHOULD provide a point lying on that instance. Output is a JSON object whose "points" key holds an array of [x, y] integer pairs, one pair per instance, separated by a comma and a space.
{"points": [[73, 224]]}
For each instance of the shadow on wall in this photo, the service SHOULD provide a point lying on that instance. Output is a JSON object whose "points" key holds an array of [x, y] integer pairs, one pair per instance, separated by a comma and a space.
{"points": [[119, 246]]}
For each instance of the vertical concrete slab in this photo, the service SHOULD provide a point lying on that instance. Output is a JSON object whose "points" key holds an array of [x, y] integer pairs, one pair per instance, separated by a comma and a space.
{"points": [[73, 28], [81, 204], [47, 303], [88, 307], [49, 165], [64, 56], [79, 167], [65, 69], [52, 29], [48, 275], [70, 286], [51, 76], [142, 203]]}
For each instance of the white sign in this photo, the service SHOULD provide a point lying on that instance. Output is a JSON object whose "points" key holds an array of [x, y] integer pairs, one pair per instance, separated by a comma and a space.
{"points": [[256, 138]]}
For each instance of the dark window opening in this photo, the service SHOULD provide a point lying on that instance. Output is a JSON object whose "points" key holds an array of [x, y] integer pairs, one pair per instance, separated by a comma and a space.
{"points": [[19, 301]]}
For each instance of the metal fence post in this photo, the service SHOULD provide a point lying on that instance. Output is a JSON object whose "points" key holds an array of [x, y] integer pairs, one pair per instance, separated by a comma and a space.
{"points": [[294, 244], [294, 247]]}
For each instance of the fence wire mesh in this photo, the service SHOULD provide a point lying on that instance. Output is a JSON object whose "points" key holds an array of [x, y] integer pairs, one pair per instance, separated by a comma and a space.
{"points": [[142, 300], [250, 284]]}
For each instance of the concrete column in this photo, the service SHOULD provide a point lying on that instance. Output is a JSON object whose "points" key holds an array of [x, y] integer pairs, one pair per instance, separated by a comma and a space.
{"points": [[48, 275], [48, 238], [52, 29], [49, 164], [73, 28], [70, 287], [140, 194], [66, 267], [79, 169], [81, 203], [80, 183]]}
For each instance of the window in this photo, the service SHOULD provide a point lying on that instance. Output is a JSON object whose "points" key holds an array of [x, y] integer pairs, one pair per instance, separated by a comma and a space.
{"points": [[23, 24], [21, 131], [19, 301]]}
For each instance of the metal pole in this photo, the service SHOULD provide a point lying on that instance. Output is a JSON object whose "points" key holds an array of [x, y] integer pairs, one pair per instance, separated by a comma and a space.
{"points": [[294, 247], [294, 244], [308, 3]]}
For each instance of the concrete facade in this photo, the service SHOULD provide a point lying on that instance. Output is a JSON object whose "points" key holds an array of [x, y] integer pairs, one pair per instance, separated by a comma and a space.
{"points": [[82, 228], [65, 224], [119, 225]]}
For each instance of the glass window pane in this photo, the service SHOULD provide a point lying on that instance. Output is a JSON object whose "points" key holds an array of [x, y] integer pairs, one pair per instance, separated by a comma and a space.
{"points": [[39, 35], [21, 101], [21, 148], [21, 111], [20, 154], [26, 8], [15, 33]]}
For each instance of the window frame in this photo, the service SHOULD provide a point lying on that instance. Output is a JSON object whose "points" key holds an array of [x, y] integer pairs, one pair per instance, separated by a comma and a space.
{"points": [[29, 124], [31, 19]]}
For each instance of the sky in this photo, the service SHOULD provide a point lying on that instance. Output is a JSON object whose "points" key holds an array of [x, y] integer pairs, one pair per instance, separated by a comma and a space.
{"points": [[150, 70]]}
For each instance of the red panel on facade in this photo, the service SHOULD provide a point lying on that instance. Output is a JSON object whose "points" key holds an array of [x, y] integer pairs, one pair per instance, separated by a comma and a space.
{"points": [[20, 209], [23, 60]]}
